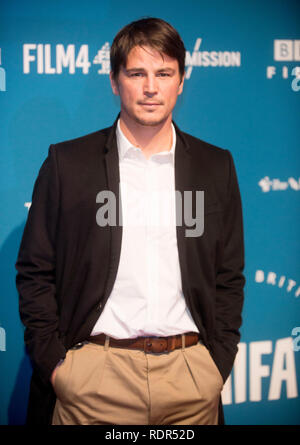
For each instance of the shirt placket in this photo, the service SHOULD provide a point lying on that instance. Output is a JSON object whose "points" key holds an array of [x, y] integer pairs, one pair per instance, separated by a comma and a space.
{"points": [[151, 243]]}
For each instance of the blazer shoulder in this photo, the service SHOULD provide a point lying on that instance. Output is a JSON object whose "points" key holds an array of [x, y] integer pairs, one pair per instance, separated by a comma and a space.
{"points": [[83, 145], [203, 148], [215, 162]]}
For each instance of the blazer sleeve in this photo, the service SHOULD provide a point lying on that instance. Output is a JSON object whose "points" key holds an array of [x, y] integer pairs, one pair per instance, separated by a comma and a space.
{"points": [[36, 277], [230, 280]]}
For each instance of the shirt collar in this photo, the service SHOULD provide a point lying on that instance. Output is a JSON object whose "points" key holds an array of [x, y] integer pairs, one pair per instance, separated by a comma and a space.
{"points": [[124, 145]]}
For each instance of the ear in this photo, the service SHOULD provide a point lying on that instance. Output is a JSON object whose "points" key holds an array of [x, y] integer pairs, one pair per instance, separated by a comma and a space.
{"points": [[114, 84], [180, 88]]}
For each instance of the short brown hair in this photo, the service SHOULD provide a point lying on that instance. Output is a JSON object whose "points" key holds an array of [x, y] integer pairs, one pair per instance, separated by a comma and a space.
{"points": [[152, 32]]}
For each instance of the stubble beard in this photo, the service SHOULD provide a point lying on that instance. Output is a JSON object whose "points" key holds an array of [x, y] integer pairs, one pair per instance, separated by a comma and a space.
{"points": [[152, 121]]}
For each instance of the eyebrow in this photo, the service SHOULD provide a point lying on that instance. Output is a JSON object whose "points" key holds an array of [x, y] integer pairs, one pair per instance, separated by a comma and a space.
{"points": [[161, 70]]}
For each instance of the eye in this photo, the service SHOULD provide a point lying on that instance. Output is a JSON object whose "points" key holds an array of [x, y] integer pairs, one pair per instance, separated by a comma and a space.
{"points": [[136, 74], [163, 74]]}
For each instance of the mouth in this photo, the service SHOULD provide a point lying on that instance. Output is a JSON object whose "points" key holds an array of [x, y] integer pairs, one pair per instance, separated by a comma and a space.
{"points": [[150, 104]]}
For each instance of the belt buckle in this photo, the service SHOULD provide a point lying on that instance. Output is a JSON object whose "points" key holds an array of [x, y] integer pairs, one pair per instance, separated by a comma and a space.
{"points": [[155, 345]]}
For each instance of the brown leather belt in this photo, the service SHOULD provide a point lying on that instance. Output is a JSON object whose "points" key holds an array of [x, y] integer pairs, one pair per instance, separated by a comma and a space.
{"points": [[149, 344]]}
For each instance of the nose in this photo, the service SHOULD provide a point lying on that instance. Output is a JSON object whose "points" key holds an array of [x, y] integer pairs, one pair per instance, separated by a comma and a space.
{"points": [[150, 85]]}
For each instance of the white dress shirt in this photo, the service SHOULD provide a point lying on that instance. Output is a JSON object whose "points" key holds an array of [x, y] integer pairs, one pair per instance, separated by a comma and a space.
{"points": [[147, 298]]}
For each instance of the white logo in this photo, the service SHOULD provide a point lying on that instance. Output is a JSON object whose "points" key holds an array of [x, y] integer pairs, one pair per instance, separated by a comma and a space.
{"points": [[276, 184], [103, 58], [296, 341], [286, 51], [280, 281], [2, 340], [2, 76], [249, 367], [54, 59], [210, 58], [250, 363]]}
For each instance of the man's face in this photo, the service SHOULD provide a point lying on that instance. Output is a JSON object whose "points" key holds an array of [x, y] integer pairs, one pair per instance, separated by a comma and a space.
{"points": [[148, 86]]}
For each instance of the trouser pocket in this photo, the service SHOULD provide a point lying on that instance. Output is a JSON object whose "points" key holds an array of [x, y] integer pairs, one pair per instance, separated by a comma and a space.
{"points": [[81, 369], [206, 375]]}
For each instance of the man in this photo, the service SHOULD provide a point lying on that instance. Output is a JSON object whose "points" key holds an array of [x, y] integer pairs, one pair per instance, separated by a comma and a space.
{"points": [[131, 319]]}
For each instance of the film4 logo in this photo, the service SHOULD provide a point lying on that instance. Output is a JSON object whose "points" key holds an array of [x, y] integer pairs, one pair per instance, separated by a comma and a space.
{"points": [[56, 59]]}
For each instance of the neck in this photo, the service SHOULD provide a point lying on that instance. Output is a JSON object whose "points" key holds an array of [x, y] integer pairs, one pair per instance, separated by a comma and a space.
{"points": [[150, 139]]}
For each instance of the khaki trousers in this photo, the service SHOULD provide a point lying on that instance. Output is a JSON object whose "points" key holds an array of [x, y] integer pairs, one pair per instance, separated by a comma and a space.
{"points": [[101, 385]]}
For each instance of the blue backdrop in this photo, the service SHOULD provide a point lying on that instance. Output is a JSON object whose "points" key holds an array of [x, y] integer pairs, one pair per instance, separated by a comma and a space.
{"points": [[241, 93]]}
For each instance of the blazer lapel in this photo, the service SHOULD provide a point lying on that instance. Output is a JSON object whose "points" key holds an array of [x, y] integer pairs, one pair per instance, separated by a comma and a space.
{"points": [[182, 184], [113, 181]]}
